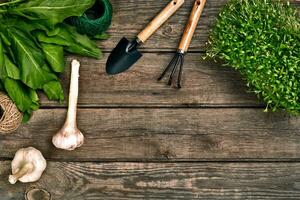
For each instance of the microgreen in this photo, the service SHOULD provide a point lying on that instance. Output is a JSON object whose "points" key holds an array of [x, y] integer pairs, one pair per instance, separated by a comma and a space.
{"points": [[261, 39]]}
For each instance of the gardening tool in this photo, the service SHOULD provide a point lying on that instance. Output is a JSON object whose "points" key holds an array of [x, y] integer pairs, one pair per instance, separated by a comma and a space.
{"points": [[185, 42], [126, 53]]}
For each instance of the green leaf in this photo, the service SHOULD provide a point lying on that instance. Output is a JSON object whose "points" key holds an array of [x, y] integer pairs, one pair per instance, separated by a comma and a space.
{"points": [[4, 39], [78, 49], [24, 97], [12, 70], [34, 70], [61, 38], [27, 26], [55, 56], [54, 91], [83, 40], [103, 36], [72, 41], [2, 11], [26, 117], [7, 68], [51, 12], [2, 64], [10, 3], [82, 45], [33, 38], [1, 86]]}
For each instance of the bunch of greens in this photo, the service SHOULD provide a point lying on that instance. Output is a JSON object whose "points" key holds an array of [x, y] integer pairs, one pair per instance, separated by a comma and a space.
{"points": [[33, 39], [261, 39]]}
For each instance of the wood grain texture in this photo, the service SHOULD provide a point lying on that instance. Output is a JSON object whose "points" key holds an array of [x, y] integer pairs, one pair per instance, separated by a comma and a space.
{"points": [[130, 17], [191, 25], [157, 125], [160, 19], [164, 135], [115, 181], [205, 83]]}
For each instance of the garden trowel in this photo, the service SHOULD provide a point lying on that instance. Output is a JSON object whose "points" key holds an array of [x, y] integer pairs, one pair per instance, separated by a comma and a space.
{"points": [[126, 52]]}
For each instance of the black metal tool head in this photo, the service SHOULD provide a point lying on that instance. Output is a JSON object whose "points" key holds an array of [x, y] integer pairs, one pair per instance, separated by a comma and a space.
{"points": [[176, 62], [123, 56]]}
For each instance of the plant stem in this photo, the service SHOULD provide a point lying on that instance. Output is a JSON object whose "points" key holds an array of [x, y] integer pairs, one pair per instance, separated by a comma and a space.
{"points": [[24, 170], [10, 3], [3, 11], [73, 94]]}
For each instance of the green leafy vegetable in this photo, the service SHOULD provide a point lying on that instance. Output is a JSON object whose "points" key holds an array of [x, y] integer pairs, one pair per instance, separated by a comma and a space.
{"points": [[7, 68], [25, 25], [261, 39], [103, 36], [33, 39], [55, 56], [2, 66], [11, 70], [72, 41], [25, 98], [50, 12], [1, 86], [34, 71], [83, 45], [54, 91], [12, 2]]}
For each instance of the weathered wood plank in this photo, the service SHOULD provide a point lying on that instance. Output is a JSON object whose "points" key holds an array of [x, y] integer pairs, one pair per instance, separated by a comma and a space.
{"points": [[130, 17], [164, 134], [115, 181], [206, 83]]}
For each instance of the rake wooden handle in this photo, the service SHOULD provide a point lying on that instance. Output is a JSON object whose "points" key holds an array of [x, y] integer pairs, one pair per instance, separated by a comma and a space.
{"points": [[160, 19], [191, 25]]}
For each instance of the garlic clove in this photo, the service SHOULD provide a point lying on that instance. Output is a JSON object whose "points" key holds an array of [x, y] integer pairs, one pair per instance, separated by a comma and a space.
{"points": [[80, 139], [27, 166], [68, 140]]}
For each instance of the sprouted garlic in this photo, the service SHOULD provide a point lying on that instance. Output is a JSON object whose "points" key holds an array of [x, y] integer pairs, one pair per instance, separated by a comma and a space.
{"points": [[70, 137]]}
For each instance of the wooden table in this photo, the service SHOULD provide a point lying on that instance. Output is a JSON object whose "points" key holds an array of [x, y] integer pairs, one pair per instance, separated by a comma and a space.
{"points": [[144, 140]]}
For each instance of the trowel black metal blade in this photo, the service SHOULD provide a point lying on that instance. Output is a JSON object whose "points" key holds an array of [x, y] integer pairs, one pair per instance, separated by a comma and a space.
{"points": [[123, 57]]}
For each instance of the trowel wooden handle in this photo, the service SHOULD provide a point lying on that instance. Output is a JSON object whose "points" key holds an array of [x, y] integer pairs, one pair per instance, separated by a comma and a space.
{"points": [[160, 19], [191, 25]]}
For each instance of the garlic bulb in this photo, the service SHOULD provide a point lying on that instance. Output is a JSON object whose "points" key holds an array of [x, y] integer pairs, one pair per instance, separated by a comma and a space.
{"points": [[27, 166], [70, 137]]}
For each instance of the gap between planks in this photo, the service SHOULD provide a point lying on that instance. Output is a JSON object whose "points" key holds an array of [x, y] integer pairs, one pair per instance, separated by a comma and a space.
{"points": [[204, 161], [157, 106]]}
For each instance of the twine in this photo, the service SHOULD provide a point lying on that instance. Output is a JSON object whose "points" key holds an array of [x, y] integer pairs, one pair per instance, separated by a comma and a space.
{"points": [[90, 23], [11, 117]]}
